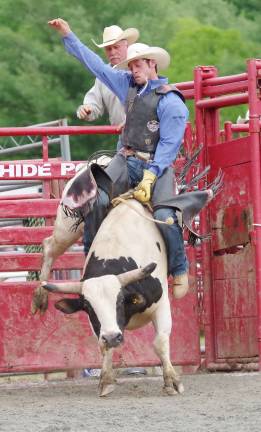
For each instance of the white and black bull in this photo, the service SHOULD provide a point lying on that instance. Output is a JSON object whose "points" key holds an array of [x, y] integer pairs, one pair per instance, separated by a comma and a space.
{"points": [[124, 286]]}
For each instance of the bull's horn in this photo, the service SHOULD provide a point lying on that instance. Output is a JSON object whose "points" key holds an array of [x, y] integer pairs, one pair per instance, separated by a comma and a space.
{"points": [[64, 287], [135, 275]]}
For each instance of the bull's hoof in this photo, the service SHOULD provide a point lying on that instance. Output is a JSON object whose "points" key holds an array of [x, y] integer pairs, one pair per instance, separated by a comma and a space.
{"points": [[106, 389], [170, 391], [39, 301], [180, 388], [173, 388]]}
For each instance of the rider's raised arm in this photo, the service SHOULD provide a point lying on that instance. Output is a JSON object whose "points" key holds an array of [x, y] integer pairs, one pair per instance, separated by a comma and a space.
{"points": [[116, 80]]}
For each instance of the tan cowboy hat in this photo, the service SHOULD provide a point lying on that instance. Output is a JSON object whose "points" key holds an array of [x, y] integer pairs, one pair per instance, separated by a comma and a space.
{"points": [[143, 51], [114, 34]]}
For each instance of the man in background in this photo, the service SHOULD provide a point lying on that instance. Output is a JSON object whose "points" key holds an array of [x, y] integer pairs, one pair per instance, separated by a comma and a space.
{"points": [[99, 98]]}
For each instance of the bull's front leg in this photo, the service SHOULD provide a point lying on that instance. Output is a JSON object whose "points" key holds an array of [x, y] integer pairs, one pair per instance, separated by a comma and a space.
{"points": [[107, 377], [62, 238], [162, 324]]}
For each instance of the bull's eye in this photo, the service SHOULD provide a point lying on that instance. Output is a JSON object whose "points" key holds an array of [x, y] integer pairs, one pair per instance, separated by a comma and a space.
{"points": [[138, 299]]}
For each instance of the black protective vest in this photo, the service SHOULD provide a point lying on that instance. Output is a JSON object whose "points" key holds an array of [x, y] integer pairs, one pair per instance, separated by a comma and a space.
{"points": [[142, 128]]}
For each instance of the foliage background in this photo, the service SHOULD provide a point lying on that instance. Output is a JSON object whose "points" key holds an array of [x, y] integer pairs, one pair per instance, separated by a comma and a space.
{"points": [[39, 82]]}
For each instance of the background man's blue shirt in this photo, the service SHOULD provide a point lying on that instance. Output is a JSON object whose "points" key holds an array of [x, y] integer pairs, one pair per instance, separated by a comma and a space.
{"points": [[172, 112]]}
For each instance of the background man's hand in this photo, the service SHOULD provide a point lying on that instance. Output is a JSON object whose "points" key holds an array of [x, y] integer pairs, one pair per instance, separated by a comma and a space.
{"points": [[120, 126], [60, 25], [83, 112]]}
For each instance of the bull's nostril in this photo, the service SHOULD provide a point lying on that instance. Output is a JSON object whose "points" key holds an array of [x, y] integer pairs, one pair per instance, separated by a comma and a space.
{"points": [[112, 339], [119, 337]]}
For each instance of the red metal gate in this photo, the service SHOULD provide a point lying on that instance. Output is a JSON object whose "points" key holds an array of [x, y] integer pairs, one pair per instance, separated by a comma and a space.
{"points": [[232, 290]]}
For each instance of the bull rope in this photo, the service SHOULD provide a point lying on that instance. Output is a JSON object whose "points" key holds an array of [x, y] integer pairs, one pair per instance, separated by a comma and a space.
{"points": [[121, 199]]}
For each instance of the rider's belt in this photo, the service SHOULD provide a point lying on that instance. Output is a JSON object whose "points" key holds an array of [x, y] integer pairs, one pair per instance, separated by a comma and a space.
{"points": [[144, 156]]}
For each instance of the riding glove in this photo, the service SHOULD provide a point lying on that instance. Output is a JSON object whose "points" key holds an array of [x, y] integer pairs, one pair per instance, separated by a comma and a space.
{"points": [[144, 189]]}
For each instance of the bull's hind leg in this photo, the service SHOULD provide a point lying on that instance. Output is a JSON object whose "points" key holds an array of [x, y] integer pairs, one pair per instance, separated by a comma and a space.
{"points": [[162, 324], [107, 378], [62, 238]]}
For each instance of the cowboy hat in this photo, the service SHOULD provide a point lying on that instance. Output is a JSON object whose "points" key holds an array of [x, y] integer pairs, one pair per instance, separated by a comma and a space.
{"points": [[143, 51], [114, 34]]}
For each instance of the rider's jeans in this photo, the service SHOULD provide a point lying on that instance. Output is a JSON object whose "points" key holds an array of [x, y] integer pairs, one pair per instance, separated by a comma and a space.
{"points": [[172, 234]]}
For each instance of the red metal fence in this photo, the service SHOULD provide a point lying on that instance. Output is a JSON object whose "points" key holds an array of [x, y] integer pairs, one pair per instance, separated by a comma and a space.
{"points": [[227, 307], [56, 341]]}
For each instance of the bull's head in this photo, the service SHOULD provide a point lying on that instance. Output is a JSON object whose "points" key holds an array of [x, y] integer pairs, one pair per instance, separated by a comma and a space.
{"points": [[110, 300]]}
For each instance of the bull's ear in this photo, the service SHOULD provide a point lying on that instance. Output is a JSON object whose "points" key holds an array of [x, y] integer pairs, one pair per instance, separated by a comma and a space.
{"points": [[69, 306]]}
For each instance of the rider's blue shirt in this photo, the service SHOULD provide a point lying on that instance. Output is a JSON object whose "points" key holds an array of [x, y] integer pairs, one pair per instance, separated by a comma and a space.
{"points": [[172, 112]]}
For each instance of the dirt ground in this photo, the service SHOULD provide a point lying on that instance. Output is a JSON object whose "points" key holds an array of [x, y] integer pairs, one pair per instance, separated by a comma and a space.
{"points": [[211, 403]]}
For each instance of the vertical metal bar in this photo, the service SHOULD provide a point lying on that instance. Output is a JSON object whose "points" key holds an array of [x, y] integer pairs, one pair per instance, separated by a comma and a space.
{"points": [[228, 130], [45, 148], [188, 140], [254, 130], [65, 143], [199, 74], [46, 183]]}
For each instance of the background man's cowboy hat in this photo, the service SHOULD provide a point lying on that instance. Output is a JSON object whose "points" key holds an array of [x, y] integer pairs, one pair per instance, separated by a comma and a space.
{"points": [[143, 51], [114, 34]]}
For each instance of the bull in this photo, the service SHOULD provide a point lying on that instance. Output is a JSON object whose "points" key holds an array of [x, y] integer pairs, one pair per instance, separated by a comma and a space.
{"points": [[124, 286]]}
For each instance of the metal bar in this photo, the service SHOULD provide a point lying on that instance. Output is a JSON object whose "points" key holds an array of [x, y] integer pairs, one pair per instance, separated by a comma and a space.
{"points": [[57, 122], [28, 208], [20, 285], [25, 147], [225, 89], [24, 235], [22, 196], [59, 130], [228, 131], [10, 223], [188, 85], [223, 101], [204, 224], [45, 148], [33, 261], [241, 127], [26, 183], [11, 187], [65, 144], [225, 80], [188, 94], [254, 129]]}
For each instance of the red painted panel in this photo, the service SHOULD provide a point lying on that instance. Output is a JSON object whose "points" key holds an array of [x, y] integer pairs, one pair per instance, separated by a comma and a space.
{"points": [[230, 153], [234, 265], [231, 331], [235, 190], [24, 236], [28, 208], [231, 300], [58, 341], [33, 261], [236, 338], [234, 229]]}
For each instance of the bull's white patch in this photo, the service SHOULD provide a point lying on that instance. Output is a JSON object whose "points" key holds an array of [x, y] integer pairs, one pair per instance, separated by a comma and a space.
{"points": [[153, 125]]}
